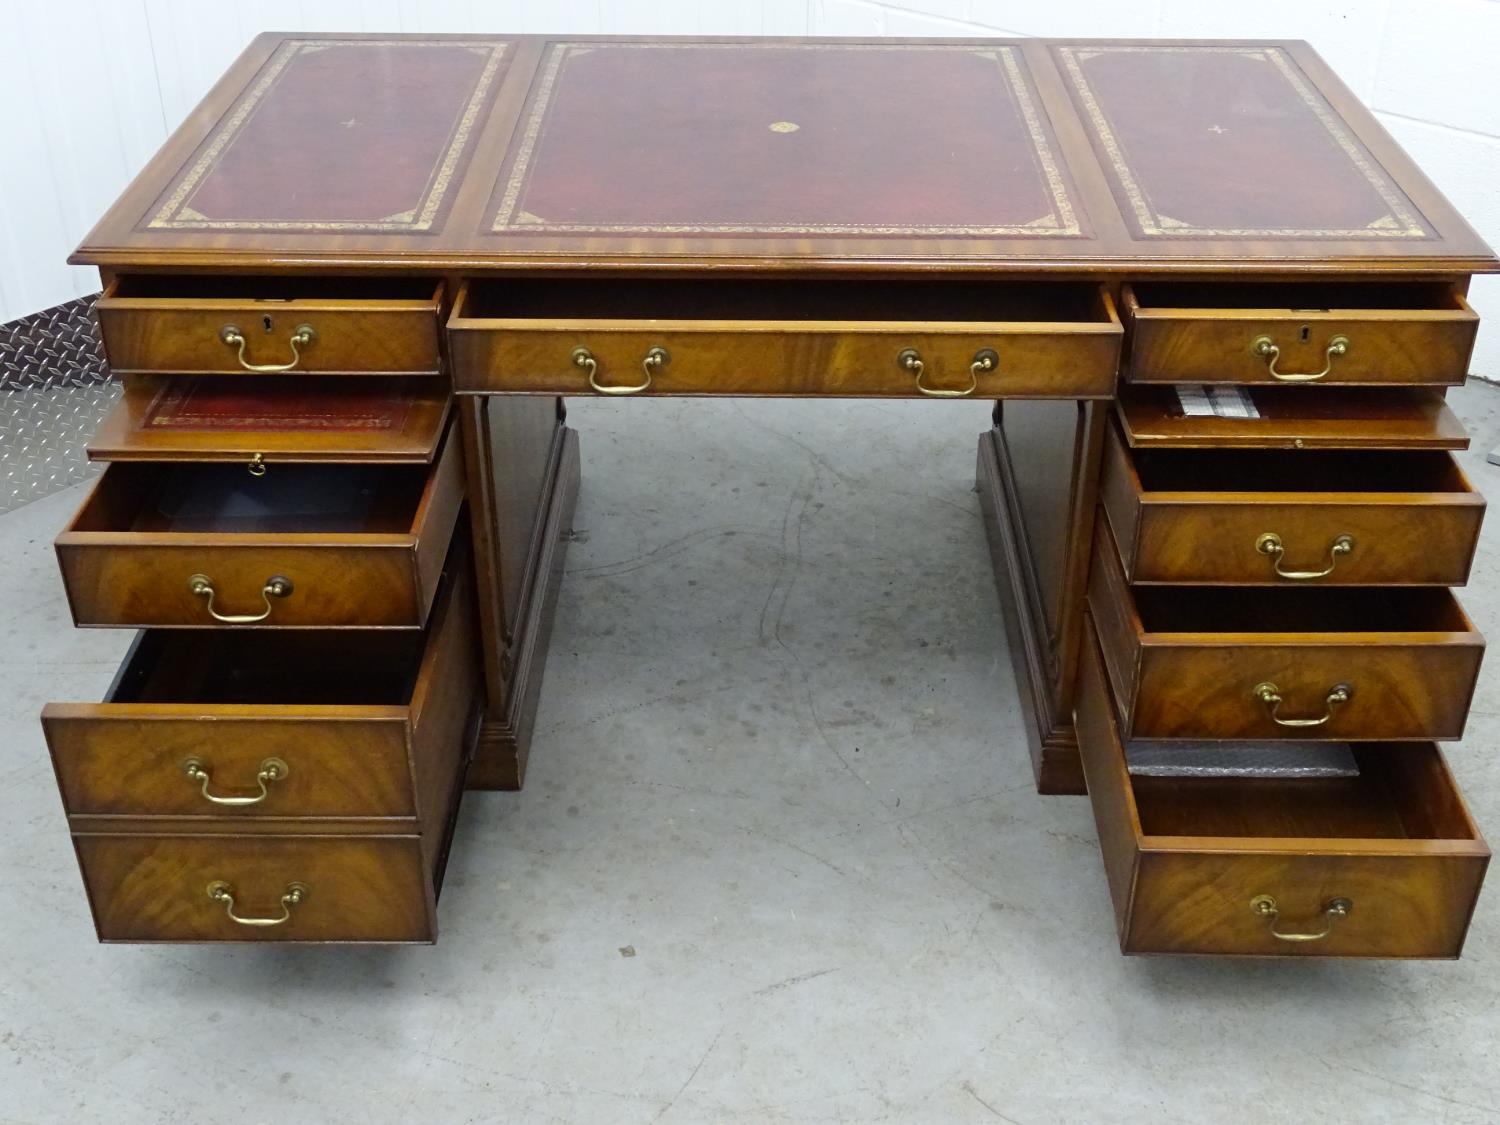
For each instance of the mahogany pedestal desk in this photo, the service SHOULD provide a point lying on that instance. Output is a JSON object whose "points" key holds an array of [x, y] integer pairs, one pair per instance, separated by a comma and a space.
{"points": [[1215, 305]]}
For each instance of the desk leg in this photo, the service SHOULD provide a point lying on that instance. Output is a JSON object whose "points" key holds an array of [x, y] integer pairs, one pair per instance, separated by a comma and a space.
{"points": [[522, 467], [1038, 482]]}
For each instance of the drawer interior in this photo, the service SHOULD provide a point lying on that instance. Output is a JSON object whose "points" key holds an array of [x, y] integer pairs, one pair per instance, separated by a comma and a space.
{"points": [[1172, 470], [1403, 792], [942, 301], [228, 499], [247, 667], [272, 287], [1322, 609], [1297, 296]]}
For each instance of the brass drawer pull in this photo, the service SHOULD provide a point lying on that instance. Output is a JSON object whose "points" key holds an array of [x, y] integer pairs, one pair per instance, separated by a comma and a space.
{"points": [[223, 892], [1333, 910], [303, 336], [272, 769], [276, 587], [1264, 347], [1269, 694], [1270, 544], [655, 359], [909, 359]]}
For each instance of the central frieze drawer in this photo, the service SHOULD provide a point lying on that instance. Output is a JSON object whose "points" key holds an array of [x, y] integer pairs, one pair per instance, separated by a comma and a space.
{"points": [[176, 324], [1265, 517], [308, 545], [1298, 332], [945, 339], [1385, 864], [1336, 662]]}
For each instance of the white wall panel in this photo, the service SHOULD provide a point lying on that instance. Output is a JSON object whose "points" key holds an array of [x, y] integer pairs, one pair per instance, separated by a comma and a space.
{"points": [[81, 112]]}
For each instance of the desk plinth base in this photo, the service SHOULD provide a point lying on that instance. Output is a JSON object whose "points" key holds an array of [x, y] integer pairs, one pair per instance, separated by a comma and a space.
{"points": [[505, 731], [1049, 731]]}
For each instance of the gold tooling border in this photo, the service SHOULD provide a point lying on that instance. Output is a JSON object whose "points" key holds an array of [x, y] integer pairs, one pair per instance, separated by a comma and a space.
{"points": [[1062, 221], [1401, 220], [176, 214]]}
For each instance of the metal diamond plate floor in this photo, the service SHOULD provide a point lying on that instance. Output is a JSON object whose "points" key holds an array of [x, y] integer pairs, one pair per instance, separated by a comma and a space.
{"points": [[53, 390], [43, 431]]}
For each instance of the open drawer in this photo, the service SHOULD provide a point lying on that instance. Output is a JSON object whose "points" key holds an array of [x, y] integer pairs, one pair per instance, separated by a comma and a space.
{"points": [[1328, 332], [262, 787], [268, 325], [1338, 662], [1272, 517], [209, 545], [355, 728], [273, 418], [941, 338], [1385, 864]]}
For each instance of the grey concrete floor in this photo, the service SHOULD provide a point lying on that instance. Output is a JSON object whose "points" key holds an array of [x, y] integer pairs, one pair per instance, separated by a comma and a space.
{"points": [[778, 857]]}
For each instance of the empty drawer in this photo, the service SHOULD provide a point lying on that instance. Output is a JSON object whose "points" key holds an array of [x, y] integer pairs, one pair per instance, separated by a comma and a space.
{"points": [[1386, 864], [946, 339], [299, 545], [1337, 662], [1248, 517], [262, 725]]}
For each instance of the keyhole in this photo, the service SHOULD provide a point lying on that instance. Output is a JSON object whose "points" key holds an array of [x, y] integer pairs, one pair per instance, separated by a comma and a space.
{"points": [[265, 323], [1306, 331]]}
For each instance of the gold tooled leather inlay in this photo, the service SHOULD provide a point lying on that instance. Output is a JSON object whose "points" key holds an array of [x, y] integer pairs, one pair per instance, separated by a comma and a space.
{"points": [[177, 213], [1060, 221], [1401, 219]]}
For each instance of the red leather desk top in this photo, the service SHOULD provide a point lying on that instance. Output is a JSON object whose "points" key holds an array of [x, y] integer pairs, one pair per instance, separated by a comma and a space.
{"points": [[471, 152]]}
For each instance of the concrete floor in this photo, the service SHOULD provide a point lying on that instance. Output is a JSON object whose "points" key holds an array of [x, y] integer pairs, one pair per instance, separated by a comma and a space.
{"points": [[778, 857]]}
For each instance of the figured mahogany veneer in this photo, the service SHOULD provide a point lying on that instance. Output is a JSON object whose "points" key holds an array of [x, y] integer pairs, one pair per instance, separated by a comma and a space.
{"points": [[1198, 516], [1185, 857], [1206, 333], [1184, 661], [374, 737], [166, 324], [362, 545], [1092, 226], [754, 337]]}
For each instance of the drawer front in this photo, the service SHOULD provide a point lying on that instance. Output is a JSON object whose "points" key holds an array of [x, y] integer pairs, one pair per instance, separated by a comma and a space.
{"points": [[331, 746], [175, 760], [1329, 347], [146, 583], [748, 360], [1250, 537], [156, 888], [1394, 690], [191, 335], [302, 579], [1195, 891], [1335, 544], [941, 339], [1194, 678], [1403, 905]]}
